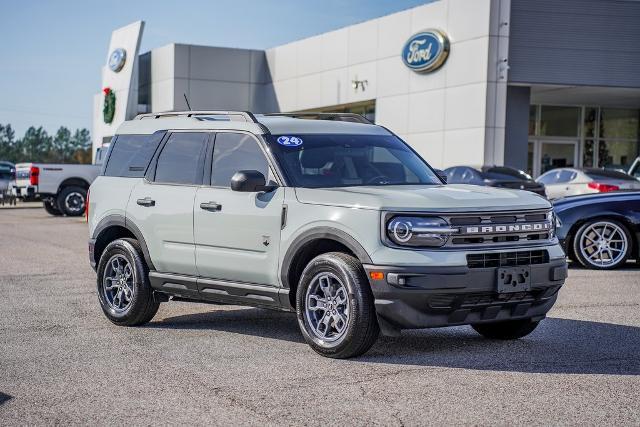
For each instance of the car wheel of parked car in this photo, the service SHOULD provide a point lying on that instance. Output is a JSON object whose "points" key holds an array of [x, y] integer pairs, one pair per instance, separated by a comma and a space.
{"points": [[124, 290], [602, 244], [71, 201], [51, 208], [335, 306], [509, 330]]}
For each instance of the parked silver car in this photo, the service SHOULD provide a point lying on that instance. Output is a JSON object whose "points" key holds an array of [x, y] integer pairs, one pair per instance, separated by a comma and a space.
{"points": [[564, 182]]}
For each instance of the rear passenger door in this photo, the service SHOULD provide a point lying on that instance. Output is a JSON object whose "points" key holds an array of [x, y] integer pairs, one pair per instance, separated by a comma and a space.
{"points": [[161, 206], [238, 241]]}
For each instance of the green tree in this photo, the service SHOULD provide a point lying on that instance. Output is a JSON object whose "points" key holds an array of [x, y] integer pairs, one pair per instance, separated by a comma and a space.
{"points": [[37, 146], [60, 146], [8, 145]]}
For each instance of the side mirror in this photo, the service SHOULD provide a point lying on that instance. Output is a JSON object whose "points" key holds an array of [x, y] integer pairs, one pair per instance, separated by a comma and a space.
{"points": [[250, 181], [441, 175]]}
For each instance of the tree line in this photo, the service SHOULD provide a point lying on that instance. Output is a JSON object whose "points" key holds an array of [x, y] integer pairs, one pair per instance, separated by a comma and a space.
{"points": [[38, 146]]}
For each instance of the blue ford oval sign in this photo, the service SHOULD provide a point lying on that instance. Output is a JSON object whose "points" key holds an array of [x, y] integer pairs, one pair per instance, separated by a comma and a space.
{"points": [[426, 51]]}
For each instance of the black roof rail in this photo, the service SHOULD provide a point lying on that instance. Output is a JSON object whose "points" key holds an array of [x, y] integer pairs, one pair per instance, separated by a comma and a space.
{"points": [[244, 116], [338, 117]]}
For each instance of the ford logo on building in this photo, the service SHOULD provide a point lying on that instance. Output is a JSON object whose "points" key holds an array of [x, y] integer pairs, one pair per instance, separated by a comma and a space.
{"points": [[426, 51]]}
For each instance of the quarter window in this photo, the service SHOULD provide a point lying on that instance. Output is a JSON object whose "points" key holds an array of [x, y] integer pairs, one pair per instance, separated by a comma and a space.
{"points": [[130, 155], [233, 152], [181, 159]]}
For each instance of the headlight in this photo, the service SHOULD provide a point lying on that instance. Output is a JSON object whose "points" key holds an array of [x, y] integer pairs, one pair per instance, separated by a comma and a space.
{"points": [[554, 220], [419, 231]]}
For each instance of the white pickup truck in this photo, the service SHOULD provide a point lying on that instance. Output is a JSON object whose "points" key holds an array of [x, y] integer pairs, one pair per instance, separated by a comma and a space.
{"points": [[61, 187]]}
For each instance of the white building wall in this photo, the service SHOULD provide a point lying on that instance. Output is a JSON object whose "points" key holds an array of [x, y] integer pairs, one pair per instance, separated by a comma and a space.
{"points": [[444, 114]]}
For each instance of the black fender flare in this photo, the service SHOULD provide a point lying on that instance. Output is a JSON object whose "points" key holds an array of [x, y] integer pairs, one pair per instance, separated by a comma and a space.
{"points": [[121, 221], [317, 233]]}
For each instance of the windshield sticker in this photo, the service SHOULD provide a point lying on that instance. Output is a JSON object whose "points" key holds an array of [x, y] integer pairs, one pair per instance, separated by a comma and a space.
{"points": [[290, 141]]}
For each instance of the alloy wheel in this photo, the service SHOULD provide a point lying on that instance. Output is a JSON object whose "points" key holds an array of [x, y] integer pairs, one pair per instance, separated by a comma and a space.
{"points": [[117, 284], [74, 202], [603, 244], [327, 307]]}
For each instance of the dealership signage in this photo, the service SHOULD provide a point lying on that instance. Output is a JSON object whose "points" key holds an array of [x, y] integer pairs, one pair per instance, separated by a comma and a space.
{"points": [[426, 51], [117, 59]]}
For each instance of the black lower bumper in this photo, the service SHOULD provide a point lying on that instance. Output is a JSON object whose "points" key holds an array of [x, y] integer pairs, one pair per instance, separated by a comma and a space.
{"points": [[92, 259], [428, 297]]}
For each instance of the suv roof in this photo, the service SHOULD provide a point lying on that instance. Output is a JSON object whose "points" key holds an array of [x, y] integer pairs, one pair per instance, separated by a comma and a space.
{"points": [[277, 123]]}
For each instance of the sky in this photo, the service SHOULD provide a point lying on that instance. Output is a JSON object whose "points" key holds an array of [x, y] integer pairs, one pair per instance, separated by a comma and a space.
{"points": [[51, 52]]}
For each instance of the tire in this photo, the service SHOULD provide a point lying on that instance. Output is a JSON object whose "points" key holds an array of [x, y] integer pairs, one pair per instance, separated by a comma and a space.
{"points": [[602, 244], [140, 306], [51, 208], [509, 330], [341, 280], [71, 201]]}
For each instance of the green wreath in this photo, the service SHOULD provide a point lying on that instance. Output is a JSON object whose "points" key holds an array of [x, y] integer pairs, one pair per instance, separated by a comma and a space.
{"points": [[109, 108]]}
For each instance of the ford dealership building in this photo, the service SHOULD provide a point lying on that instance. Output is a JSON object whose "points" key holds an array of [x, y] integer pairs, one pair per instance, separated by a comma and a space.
{"points": [[530, 84]]}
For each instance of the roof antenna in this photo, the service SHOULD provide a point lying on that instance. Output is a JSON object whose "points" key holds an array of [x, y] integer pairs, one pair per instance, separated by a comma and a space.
{"points": [[186, 100]]}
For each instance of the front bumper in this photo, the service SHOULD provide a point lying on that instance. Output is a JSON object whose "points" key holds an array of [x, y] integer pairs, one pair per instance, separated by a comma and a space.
{"points": [[428, 297]]}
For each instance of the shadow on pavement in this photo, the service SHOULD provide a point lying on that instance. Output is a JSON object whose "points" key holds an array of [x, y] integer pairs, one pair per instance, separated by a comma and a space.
{"points": [[4, 398], [562, 346]]}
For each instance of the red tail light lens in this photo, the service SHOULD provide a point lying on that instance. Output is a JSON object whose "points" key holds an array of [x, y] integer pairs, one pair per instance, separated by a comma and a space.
{"points": [[602, 188], [86, 206], [34, 175]]}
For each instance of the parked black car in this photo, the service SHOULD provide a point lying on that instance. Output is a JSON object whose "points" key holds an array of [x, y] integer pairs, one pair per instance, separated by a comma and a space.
{"points": [[601, 231], [494, 176]]}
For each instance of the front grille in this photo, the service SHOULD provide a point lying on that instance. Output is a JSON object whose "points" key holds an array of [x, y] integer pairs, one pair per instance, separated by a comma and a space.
{"points": [[499, 228], [507, 259]]}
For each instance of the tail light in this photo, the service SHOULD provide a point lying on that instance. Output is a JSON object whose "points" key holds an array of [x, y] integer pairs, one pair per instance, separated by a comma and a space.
{"points": [[602, 188], [34, 175], [86, 207]]}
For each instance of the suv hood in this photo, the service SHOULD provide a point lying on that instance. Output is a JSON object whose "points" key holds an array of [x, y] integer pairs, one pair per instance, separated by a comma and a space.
{"points": [[441, 198]]}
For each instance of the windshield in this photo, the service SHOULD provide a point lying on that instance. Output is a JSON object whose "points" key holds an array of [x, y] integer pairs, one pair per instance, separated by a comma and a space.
{"points": [[330, 160], [6, 172]]}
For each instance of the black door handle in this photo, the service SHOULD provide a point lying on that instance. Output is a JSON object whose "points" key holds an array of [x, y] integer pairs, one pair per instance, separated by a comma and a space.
{"points": [[211, 206], [147, 201]]}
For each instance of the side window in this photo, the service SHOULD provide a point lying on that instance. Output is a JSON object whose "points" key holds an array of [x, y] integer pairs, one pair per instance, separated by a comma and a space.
{"points": [[181, 159], [233, 152], [129, 155]]}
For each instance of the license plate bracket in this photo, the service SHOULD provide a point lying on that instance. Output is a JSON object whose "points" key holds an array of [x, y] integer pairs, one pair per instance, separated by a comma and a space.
{"points": [[513, 279]]}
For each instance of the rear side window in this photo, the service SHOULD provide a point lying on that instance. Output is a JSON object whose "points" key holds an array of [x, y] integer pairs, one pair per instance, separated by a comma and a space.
{"points": [[233, 152], [130, 155], [182, 158]]}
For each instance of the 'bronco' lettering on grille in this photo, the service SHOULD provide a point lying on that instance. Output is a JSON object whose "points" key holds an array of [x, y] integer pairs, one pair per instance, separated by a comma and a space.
{"points": [[492, 229]]}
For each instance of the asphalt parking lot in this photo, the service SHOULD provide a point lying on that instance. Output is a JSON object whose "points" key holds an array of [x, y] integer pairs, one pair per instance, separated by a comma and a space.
{"points": [[62, 362]]}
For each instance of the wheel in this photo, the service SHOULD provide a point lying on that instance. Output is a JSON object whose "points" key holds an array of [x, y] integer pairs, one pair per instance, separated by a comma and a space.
{"points": [[335, 306], [509, 330], [124, 291], [71, 201], [51, 208], [602, 244]]}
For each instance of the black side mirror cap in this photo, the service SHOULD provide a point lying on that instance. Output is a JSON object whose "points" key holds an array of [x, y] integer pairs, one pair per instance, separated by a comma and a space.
{"points": [[250, 181], [441, 175]]}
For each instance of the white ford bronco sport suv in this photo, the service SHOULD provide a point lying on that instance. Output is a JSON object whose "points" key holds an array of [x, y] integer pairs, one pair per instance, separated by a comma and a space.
{"points": [[326, 215]]}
